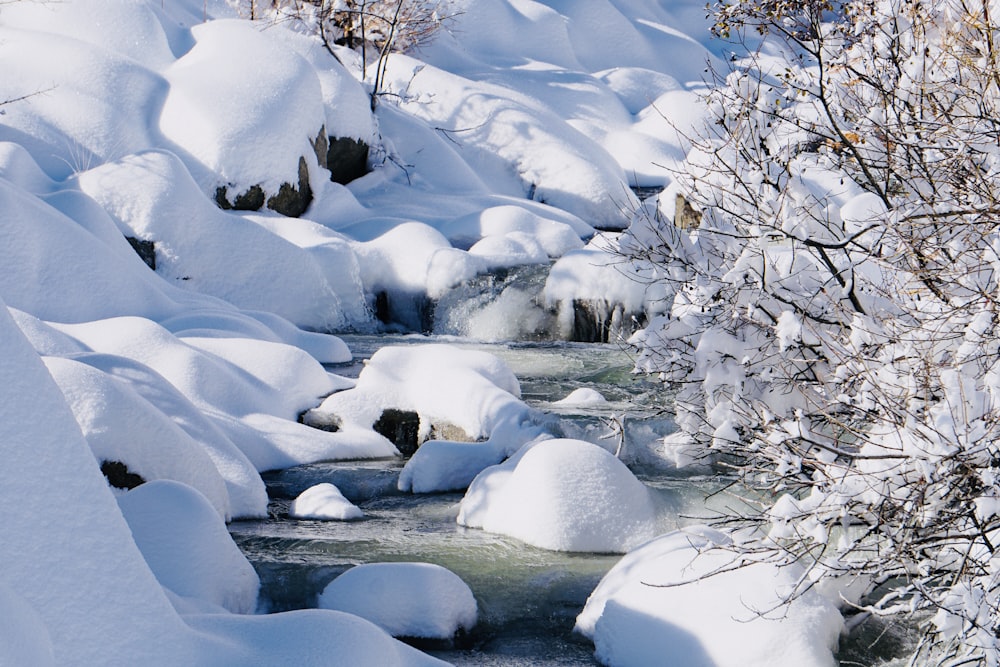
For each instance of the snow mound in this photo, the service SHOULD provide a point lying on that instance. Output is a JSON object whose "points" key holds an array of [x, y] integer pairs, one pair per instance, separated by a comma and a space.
{"points": [[186, 545], [582, 397], [472, 390], [152, 197], [406, 599], [244, 108], [122, 426], [564, 495], [638, 613], [324, 502]]}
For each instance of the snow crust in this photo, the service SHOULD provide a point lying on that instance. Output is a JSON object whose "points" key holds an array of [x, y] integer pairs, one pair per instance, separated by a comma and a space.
{"points": [[405, 599], [638, 613], [565, 495]]}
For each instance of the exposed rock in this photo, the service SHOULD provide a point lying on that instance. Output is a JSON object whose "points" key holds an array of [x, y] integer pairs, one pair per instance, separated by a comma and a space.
{"points": [[346, 159], [321, 421], [686, 216], [402, 428], [289, 200], [119, 476], [292, 201], [599, 321], [407, 312], [321, 146], [145, 249], [251, 200]]}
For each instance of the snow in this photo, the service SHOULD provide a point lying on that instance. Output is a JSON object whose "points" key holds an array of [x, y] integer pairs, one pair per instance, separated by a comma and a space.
{"points": [[470, 389], [406, 599], [243, 107], [582, 397], [186, 545], [324, 502], [82, 591], [564, 495], [659, 600]]}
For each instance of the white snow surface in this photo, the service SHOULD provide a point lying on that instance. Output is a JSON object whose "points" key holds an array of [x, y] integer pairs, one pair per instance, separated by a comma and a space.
{"points": [[564, 495], [324, 502], [658, 600], [186, 545], [406, 599]]}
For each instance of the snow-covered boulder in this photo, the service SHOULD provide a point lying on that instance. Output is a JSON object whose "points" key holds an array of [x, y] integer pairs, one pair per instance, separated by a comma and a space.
{"points": [[121, 426], [246, 111], [324, 502], [469, 389], [152, 197], [676, 596], [600, 296], [186, 545], [565, 495], [406, 599]]}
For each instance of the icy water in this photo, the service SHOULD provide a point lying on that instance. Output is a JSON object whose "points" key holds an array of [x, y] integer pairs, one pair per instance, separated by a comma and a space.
{"points": [[528, 598]]}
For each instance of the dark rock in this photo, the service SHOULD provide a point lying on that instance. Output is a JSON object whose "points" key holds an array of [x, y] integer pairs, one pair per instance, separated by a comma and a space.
{"points": [[251, 200], [292, 201], [410, 312], [321, 421], [119, 476], [402, 428], [145, 249], [347, 159], [599, 321], [321, 146]]}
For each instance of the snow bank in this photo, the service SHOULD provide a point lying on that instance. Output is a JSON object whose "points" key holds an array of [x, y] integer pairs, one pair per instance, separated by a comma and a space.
{"points": [[565, 495], [186, 545], [406, 599], [639, 613], [324, 502], [81, 591]]}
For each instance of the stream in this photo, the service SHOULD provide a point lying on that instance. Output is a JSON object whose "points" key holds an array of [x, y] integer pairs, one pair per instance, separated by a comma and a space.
{"points": [[528, 597]]}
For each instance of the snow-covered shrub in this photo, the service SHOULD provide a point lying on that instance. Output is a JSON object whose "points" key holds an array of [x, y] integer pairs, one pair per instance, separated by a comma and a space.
{"points": [[833, 330]]}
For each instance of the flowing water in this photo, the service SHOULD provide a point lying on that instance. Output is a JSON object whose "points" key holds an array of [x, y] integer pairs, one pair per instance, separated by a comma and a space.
{"points": [[528, 598]]}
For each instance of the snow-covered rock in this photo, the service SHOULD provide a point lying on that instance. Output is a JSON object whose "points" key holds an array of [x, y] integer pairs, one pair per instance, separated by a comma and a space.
{"points": [[565, 495], [186, 545], [324, 502], [406, 599], [676, 596]]}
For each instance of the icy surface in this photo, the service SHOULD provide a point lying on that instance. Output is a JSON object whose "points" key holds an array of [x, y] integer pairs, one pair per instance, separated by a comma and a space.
{"points": [[405, 599]]}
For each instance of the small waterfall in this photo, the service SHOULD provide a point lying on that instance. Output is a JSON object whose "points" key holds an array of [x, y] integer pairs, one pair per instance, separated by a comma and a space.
{"points": [[502, 305]]}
